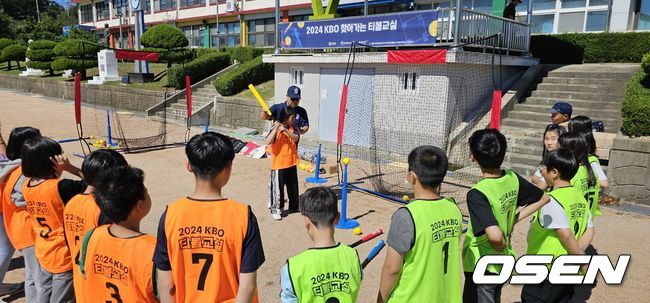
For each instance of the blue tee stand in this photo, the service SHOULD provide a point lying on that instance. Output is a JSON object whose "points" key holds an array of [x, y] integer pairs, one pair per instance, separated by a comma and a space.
{"points": [[109, 135], [316, 179], [344, 222]]}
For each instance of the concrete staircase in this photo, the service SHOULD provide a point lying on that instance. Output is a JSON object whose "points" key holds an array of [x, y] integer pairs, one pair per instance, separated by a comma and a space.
{"points": [[177, 110], [594, 90]]}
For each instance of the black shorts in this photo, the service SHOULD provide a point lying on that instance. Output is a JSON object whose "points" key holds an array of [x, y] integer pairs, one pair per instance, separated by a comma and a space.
{"points": [[547, 292]]}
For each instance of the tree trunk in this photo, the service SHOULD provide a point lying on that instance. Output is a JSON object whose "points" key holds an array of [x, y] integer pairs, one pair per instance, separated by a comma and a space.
{"points": [[18, 63], [9, 65]]}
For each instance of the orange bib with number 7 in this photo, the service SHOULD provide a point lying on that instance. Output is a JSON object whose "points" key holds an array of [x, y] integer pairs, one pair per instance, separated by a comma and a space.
{"points": [[46, 209]]}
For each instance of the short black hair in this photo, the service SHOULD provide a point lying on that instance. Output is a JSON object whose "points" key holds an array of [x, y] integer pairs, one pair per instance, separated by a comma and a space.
{"points": [[488, 146], [320, 205], [118, 190], [98, 161], [559, 129], [35, 155], [429, 163], [576, 142], [17, 138], [285, 113], [209, 153], [583, 124], [564, 161]]}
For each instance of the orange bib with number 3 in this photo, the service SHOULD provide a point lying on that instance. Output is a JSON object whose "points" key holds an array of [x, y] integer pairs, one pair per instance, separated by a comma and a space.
{"points": [[46, 209]]}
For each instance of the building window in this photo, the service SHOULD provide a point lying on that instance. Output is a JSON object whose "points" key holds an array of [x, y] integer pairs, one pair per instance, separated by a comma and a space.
{"points": [[147, 6], [297, 76], [229, 34], [596, 21], [299, 18], [542, 23], [571, 22], [164, 5], [102, 10], [539, 5], [644, 15], [261, 32], [598, 2], [194, 35], [86, 13], [573, 4], [190, 3]]}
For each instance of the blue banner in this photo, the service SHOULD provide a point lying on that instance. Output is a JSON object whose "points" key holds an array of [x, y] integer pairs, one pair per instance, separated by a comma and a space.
{"points": [[400, 29]]}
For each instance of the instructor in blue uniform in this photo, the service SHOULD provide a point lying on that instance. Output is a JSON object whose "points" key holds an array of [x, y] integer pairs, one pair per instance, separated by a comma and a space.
{"points": [[301, 121]]}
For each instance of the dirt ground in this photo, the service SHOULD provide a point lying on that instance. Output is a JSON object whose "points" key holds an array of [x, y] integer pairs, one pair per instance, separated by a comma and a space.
{"points": [[616, 232]]}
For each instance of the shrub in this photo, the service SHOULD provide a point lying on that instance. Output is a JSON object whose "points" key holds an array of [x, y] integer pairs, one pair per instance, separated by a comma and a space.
{"points": [[252, 72], [40, 65], [14, 53], [198, 69], [591, 47], [169, 38], [75, 54], [42, 44], [636, 106], [244, 54], [41, 54], [200, 52], [645, 63], [4, 42]]}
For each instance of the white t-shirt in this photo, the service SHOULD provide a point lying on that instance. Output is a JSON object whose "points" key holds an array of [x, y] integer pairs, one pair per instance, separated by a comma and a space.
{"points": [[552, 216], [539, 175], [598, 170]]}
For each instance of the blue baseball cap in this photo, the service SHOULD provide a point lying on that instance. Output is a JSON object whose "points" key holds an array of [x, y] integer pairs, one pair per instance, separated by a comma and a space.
{"points": [[293, 92], [562, 108]]}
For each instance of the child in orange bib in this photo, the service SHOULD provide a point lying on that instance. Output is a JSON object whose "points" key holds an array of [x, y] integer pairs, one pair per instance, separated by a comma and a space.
{"points": [[82, 213], [208, 247], [46, 195], [284, 160], [116, 259]]}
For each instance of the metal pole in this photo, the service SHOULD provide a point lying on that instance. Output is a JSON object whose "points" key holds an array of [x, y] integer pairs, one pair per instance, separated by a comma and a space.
{"points": [[277, 27], [457, 23], [218, 38], [365, 7], [38, 13], [529, 18]]}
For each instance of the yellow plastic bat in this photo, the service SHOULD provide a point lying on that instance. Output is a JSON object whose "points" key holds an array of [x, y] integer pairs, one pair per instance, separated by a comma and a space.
{"points": [[259, 99]]}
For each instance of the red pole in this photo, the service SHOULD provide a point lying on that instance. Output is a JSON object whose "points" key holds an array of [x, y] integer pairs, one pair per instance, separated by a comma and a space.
{"points": [[342, 108], [77, 97], [188, 94], [495, 117]]}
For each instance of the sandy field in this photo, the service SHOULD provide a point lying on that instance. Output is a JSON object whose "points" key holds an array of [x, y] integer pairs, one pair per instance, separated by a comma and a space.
{"points": [[617, 232]]}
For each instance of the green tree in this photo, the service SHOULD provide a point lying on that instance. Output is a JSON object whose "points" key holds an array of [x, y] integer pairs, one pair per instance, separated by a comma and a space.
{"points": [[169, 41], [75, 54], [41, 54], [14, 52]]}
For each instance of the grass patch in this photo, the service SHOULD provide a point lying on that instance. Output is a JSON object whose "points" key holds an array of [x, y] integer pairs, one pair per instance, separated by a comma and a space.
{"points": [[266, 90], [4, 68]]}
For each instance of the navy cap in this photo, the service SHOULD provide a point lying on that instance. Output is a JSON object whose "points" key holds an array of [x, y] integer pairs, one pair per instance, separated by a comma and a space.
{"points": [[293, 92], [562, 108]]}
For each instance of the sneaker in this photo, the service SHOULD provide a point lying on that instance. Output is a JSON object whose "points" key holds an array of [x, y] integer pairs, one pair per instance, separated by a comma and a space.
{"points": [[276, 216]]}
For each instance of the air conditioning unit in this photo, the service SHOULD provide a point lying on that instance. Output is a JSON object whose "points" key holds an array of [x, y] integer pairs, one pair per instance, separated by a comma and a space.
{"points": [[231, 5]]}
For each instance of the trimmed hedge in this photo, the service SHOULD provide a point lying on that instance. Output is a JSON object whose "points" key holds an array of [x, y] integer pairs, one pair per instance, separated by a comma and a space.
{"points": [[40, 65], [64, 63], [237, 80], [76, 48], [200, 52], [4, 42], [42, 44], [198, 69], [14, 52], [636, 106], [590, 47], [244, 54], [645, 63], [40, 54], [164, 36]]}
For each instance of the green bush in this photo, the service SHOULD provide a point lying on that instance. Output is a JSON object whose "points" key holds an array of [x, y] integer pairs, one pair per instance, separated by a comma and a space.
{"points": [[636, 106], [252, 72], [591, 47], [164, 36], [645, 63], [200, 52], [40, 54], [75, 54], [14, 53], [244, 54], [198, 69], [42, 44], [4, 42], [64, 63], [40, 65]]}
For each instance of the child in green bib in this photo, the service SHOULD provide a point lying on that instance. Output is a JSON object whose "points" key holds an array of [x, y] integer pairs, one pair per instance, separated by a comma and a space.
{"points": [[422, 260], [329, 271], [492, 204], [561, 227]]}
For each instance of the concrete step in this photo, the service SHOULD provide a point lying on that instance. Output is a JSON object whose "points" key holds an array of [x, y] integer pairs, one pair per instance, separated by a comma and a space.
{"points": [[533, 149], [183, 105], [576, 103], [591, 74], [584, 81], [206, 89], [523, 159], [577, 110], [170, 116], [204, 95], [583, 88], [610, 127], [562, 95], [608, 119]]}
